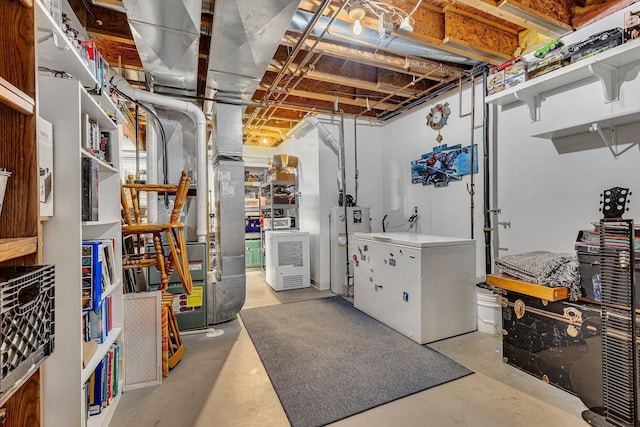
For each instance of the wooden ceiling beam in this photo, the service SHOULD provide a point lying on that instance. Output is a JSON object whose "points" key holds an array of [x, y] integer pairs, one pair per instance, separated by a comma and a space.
{"points": [[382, 84], [540, 23], [344, 100], [476, 38]]}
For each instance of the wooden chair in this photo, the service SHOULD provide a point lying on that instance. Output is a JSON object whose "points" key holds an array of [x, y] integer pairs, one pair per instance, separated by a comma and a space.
{"points": [[176, 258], [173, 231]]}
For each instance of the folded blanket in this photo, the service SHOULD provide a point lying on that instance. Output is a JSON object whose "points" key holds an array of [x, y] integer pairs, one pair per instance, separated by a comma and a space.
{"points": [[544, 268]]}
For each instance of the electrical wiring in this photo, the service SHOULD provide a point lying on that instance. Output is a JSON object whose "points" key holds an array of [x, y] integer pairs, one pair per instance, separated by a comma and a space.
{"points": [[156, 119], [411, 222], [379, 8]]}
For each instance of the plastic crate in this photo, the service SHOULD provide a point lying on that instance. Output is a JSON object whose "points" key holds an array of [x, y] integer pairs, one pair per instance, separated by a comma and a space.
{"points": [[27, 310]]}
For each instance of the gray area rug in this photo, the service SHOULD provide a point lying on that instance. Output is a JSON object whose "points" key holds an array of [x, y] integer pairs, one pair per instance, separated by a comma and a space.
{"points": [[328, 361]]}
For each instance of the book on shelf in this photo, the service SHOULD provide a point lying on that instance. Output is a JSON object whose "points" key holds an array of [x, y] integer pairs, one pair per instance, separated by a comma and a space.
{"points": [[45, 159], [105, 146], [98, 324], [92, 285], [86, 131], [95, 390], [102, 386], [89, 189]]}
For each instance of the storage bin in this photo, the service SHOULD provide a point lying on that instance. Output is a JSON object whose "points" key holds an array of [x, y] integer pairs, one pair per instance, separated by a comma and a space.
{"points": [[27, 311], [252, 225], [252, 252]]}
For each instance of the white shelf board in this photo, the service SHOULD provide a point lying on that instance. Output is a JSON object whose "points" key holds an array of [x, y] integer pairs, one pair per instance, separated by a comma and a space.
{"points": [[99, 223], [608, 66], [108, 105], [111, 289], [100, 353], [103, 166], [96, 112], [55, 50], [616, 120]]}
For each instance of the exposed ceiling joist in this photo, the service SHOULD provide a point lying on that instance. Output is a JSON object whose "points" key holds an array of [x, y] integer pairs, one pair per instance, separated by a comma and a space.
{"points": [[525, 18]]}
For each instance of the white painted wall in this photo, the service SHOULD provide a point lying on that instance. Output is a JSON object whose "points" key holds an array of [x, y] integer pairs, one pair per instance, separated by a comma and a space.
{"points": [[546, 191], [444, 211]]}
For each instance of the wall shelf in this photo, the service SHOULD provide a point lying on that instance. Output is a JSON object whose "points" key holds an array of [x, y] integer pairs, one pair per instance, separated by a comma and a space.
{"points": [[56, 52], [16, 247], [609, 67], [102, 165], [103, 348], [15, 98]]}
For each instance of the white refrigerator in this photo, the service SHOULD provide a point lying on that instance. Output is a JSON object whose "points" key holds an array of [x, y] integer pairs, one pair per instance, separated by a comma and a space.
{"points": [[422, 286]]}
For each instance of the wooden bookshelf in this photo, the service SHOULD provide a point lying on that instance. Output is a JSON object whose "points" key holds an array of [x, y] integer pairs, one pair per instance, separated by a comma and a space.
{"points": [[15, 98], [17, 247], [20, 228]]}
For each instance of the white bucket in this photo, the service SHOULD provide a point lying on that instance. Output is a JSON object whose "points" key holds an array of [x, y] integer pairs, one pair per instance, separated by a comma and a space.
{"points": [[489, 312], [4, 177]]}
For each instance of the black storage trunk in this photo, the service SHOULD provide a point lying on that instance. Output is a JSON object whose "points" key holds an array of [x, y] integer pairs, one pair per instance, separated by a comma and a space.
{"points": [[558, 342]]}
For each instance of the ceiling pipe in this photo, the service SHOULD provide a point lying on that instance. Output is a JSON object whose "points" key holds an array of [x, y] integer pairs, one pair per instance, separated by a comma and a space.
{"points": [[200, 121], [296, 49]]}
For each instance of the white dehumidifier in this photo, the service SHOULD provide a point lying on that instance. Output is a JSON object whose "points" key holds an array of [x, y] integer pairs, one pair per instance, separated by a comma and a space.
{"points": [[287, 259]]}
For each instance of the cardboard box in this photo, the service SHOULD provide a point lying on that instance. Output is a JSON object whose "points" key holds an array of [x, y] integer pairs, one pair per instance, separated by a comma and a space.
{"points": [[284, 160], [631, 25], [495, 82]]}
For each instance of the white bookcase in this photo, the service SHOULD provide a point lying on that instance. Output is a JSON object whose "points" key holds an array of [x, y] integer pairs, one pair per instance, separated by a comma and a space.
{"points": [[63, 102], [63, 233]]}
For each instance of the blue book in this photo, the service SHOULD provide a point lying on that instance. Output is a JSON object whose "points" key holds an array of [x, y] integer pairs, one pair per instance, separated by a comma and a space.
{"points": [[91, 275], [95, 402]]}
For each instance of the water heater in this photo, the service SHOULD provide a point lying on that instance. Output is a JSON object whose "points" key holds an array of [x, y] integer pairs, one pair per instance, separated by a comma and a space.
{"points": [[357, 221]]}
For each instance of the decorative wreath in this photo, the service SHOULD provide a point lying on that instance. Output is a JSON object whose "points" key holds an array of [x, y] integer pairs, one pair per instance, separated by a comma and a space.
{"points": [[437, 117]]}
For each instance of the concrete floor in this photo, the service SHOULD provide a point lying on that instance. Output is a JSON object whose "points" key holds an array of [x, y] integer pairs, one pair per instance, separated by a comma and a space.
{"points": [[221, 382]]}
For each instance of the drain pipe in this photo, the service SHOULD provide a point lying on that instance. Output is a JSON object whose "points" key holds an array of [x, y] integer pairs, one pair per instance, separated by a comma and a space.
{"points": [[486, 177], [200, 121], [471, 186], [355, 158]]}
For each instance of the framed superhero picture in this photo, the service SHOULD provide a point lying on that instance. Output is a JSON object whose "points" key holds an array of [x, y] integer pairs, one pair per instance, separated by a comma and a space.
{"points": [[443, 165]]}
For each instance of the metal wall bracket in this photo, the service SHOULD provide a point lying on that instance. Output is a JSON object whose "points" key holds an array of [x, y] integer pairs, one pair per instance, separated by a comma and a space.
{"points": [[612, 144]]}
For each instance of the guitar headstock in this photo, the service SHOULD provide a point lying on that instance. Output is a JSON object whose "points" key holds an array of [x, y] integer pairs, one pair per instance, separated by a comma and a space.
{"points": [[614, 202]]}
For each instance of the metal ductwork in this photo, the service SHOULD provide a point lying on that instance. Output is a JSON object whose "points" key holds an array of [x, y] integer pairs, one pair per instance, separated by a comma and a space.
{"points": [[245, 36], [340, 31], [167, 36]]}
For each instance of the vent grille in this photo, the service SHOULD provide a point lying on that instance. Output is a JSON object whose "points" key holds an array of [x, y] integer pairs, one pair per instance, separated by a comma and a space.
{"points": [[292, 281], [619, 334]]}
